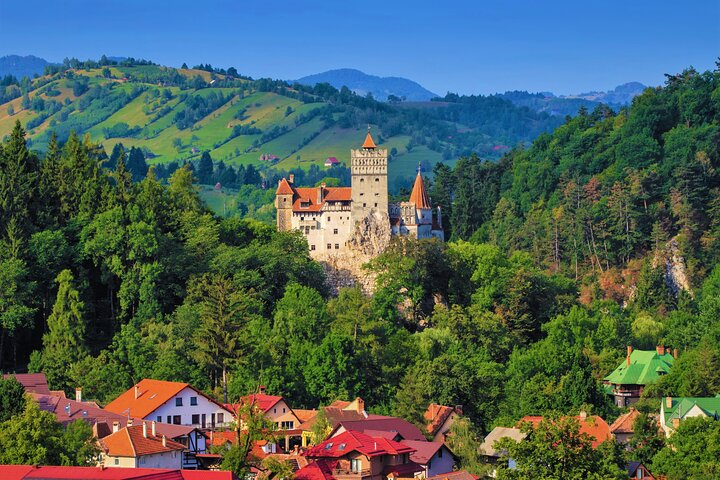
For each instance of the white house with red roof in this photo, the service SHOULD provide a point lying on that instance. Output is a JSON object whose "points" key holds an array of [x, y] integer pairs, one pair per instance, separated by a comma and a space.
{"points": [[171, 402], [140, 446], [274, 408], [355, 455]]}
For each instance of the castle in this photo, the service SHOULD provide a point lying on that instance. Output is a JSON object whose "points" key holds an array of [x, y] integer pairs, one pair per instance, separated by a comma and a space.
{"points": [[328, 216]]}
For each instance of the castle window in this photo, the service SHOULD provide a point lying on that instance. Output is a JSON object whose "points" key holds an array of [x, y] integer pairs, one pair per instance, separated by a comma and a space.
{"points": [[377, 194], [312, 247], [362, 179], [329, 246], [377, 179], [376, 204], [328, 219], [362, 193], [335, 231], [337, 246], [364, 205]]}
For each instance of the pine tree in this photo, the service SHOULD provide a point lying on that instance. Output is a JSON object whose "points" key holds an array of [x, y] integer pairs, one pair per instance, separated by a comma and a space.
{"points": [[18, 175], [64, 343], [205, 169]]}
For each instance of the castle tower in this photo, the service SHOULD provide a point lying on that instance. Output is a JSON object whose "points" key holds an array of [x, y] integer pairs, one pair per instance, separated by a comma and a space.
{"points": [[368, 167], [284, 197]]}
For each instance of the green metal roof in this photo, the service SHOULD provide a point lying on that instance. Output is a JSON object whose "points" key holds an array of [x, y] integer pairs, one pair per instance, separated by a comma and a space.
{"points": [[645, 366], [682, 405]]}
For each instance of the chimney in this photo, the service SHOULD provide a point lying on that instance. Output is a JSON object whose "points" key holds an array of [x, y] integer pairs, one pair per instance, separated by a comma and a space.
{"points": [[676, 422], [145, 429], [137, 392], [459, 409], [262, 389], [152, 426], [660, 349], [164, 440], [675, 353], [292, 179], [668, 402], [321, 192], [116, 426], [583, 414], [629, 351], [360, 405], [78, 394]]}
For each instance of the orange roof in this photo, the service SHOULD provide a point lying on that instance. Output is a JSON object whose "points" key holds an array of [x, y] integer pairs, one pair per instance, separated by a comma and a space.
{"points": [[284, 188], [151, 395], [593, 425], [130, 442], [369, 143], [624, 423], [309, 197], [419, 195]]}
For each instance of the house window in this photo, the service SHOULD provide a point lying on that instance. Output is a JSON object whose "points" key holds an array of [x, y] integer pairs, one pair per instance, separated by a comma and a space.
{"points": [[178, 402], [289, 425], [117, 461], [335, 231], [176, 420], [159, 418], [220, 418], [193, 401], [169, 419], [196, 419], [274, 410], [283, 409], [440, 452], [355, 465]]}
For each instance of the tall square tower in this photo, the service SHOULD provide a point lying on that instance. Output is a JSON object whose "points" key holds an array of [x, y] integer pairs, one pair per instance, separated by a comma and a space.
{"points": [[368, 167]]}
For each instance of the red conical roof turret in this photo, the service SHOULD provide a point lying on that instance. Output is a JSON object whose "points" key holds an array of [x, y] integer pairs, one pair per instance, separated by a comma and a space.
{"points": [[369, 143], [419, 195]]}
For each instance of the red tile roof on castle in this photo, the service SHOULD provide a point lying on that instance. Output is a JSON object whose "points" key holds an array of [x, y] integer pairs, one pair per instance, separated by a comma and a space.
{"points": [[419, 195], [284, 188], [369, 143], [21, 472], [593, 425], [130, 442], [349, 441], [306, 199]]}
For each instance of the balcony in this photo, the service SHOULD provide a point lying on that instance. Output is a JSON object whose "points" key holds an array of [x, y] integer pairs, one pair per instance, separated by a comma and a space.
{"points": [[347, 473]]}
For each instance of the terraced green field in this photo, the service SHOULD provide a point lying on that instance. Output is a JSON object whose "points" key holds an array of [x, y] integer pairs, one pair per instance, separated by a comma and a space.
{"points": [[300, 138]]}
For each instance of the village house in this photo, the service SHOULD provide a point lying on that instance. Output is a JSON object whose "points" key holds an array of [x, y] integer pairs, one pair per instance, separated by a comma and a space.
{"points": [[171, 402], [331, 162], [440, 418], [139, 446], [673, 410], [434, 457], [391, 428], [487, 449], [639, 471], [335, 413], [354, 455], [622, 427], [593, 425], [640, 367]]}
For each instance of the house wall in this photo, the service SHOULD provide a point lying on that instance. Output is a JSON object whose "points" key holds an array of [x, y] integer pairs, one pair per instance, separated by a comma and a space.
{"points": [[281, 412], [438, 464], [122, 462], [186, 411], [440, 434], [172, 460]]}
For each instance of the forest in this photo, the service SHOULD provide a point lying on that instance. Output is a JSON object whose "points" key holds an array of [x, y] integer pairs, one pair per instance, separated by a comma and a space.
{"points": [[559, 258]]}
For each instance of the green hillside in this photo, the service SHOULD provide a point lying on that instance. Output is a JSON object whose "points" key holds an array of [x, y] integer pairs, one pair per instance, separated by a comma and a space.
{"points": [[176, 114]]}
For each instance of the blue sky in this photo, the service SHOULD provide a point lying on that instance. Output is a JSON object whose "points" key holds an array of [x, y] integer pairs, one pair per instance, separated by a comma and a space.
{"points": [[481, 46]]}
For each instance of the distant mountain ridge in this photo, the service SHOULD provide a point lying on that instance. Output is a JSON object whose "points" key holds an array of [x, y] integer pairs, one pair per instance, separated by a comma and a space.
{"points": [[361, 83], [20, 66], [620, 95]]}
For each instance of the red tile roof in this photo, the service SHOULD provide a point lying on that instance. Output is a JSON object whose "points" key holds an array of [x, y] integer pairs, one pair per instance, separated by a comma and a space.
{"points": [[21, 472], [67, 410], [220, 438], [317, 470], [284, 188], [375, 423], [350, 441], [368, 143], [457, 475], [436, 416], [130, 442], [32, 382], [424, 451], [419, 195], [262, 401], [624, 423], [593, 425], [404, 470], [309, 197]]}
